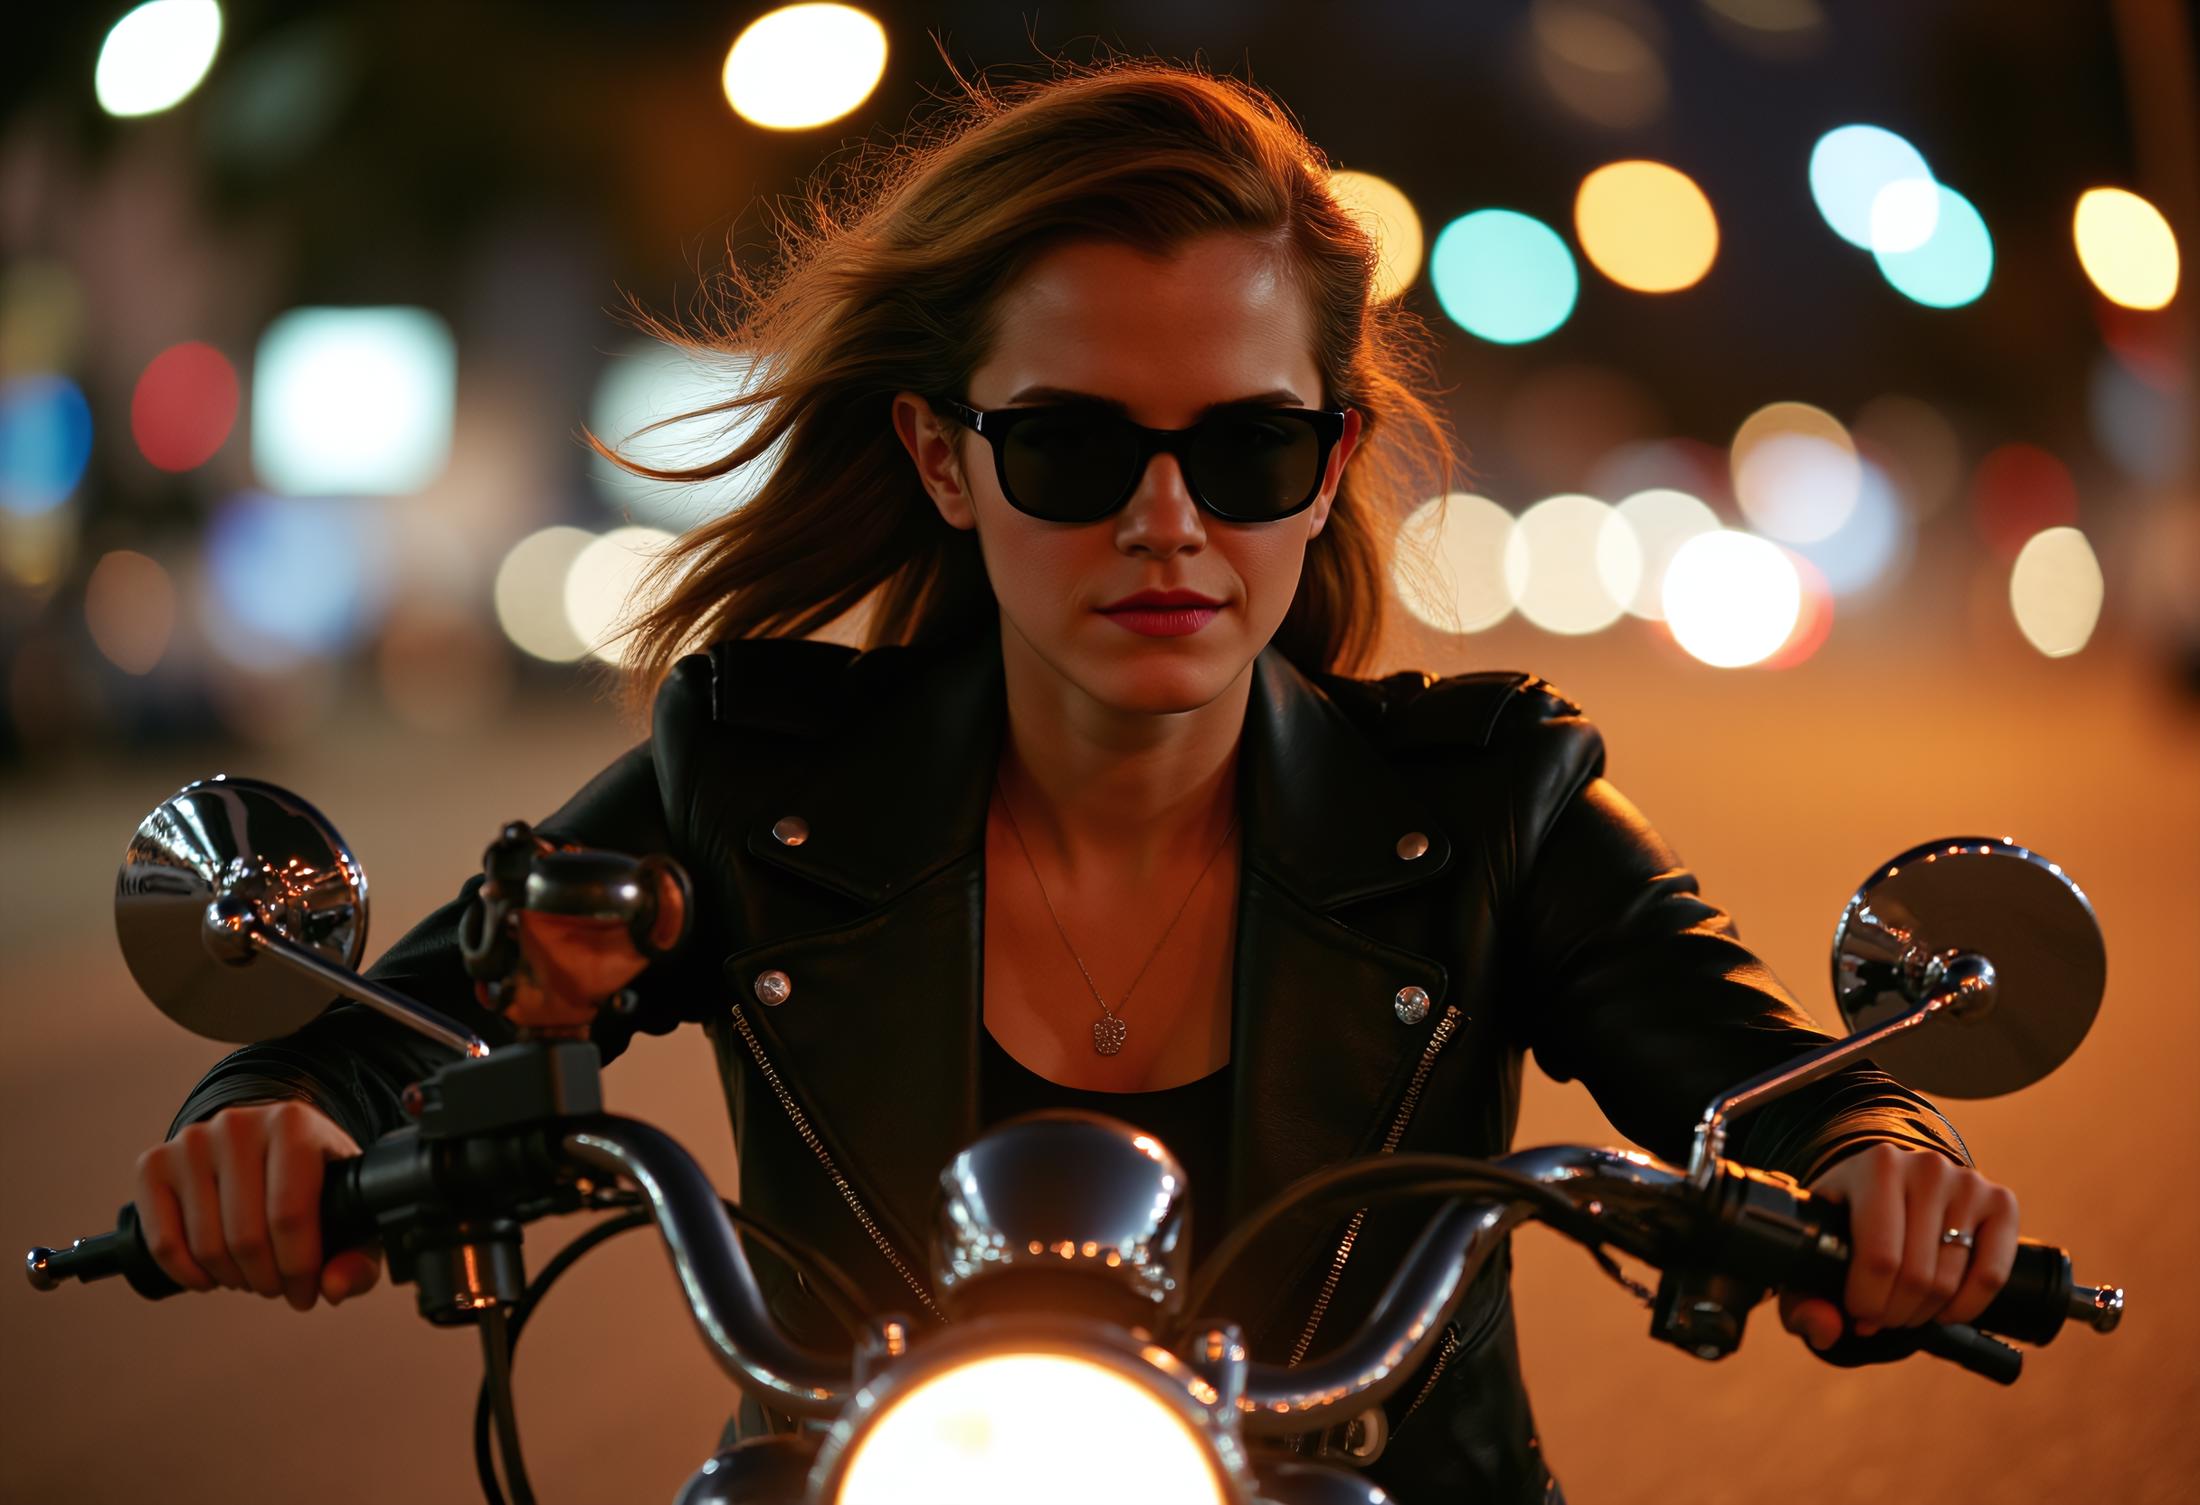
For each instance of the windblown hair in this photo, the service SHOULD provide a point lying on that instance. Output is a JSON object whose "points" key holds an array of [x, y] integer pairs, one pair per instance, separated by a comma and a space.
{"points": [[887, 278]]}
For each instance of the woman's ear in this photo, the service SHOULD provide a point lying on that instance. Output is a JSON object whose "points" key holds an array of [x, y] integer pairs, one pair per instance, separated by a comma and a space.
{"points": [[1348, 441], [931, 441]]}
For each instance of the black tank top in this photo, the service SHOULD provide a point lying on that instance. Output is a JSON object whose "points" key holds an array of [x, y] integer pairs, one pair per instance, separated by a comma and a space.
{"points": [[1193, 1120]]}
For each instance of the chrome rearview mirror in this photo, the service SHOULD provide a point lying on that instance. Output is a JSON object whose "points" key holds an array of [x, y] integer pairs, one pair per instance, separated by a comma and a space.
{"points": [[1988, 943], [1921, 915], [229, 871]]}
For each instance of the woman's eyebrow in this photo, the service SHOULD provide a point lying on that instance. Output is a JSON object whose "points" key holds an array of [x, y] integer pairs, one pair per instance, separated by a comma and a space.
{"points": [[1280, 395]]}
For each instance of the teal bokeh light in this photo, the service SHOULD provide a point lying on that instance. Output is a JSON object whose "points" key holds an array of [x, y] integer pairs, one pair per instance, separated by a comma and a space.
{"points": [[1504, 276], [1953, 266], [1850, 166]]}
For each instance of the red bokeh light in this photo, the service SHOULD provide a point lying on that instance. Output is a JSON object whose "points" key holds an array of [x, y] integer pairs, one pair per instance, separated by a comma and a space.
{"points": [[2018, 490], [1813, 623], [184, 407]]}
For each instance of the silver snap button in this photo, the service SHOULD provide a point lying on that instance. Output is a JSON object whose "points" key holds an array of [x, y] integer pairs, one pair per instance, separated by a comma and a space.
{"points": [[1411, 845], [773, 988], [1411, 1005], [790, 830]]}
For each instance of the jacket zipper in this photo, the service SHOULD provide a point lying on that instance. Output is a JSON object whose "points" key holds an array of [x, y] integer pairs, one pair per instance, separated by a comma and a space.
{"points": [[1443, 1357], [1443, 1032], [824, 1157]]}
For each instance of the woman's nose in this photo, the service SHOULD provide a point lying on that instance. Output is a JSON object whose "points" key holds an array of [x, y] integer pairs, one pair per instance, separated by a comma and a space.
{"points": [[1161, 516]]}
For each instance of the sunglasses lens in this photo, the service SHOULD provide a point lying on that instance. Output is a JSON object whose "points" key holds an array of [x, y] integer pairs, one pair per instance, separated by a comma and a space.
{"points": [[1070, 466], [1255, 466]]}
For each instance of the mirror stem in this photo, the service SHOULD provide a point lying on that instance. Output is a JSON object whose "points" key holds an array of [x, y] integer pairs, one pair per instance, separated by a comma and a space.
{"points": [[1958, 983], [237, 934]]}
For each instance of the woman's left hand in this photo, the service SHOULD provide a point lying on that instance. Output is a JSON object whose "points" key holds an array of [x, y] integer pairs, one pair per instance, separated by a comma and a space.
{"points": [[1900, 1272]]}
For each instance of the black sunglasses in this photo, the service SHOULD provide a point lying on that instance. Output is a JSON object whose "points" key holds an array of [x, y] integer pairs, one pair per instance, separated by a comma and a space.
{"points": [[1079, 462]]}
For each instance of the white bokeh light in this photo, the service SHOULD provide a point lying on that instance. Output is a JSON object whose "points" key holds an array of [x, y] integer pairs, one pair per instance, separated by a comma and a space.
{"points": [[530, 594], [2056, 590], [1731, 598], [804, 65], [353, 401], [600, 587], [1570, 563], [1663, 519], [156, 55], [1461, 538]]}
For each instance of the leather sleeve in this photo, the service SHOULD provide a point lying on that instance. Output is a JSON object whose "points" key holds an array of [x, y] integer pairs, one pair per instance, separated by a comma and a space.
{"points": [[353, 1063], [1634, 983]]}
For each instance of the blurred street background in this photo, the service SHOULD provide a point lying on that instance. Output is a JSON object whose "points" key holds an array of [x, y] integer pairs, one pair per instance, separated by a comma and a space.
{"points": [[1827, 381]]}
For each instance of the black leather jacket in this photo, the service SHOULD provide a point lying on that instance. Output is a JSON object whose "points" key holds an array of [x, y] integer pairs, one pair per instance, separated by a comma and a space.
{"points": [[1544, 915]]}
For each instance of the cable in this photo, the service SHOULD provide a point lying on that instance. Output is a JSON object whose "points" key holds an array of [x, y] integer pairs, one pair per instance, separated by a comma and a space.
{"points": [[496, 1387]]}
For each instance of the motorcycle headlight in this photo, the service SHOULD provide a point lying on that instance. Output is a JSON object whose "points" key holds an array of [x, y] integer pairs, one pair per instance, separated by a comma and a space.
{"points": [[1013, 1428]]}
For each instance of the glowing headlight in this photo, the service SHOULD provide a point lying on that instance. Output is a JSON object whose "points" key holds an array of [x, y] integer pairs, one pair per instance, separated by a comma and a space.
{"points": [[1020, 1428]]}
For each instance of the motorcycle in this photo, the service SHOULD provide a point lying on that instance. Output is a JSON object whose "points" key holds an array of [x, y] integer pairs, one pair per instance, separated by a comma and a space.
{"points": [[1080, 1360]]}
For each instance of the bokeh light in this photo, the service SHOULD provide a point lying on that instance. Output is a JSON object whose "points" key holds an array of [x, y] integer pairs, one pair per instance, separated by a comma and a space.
{"points": [[1795, 471], [45, 442], [184, 407], [1383, 209], [353, 401], [156, 55], [2055, 591], [1783, 30], [1662, 519], [1450, 567], [1503, 276], [1813, 616], [1570, 564], [130, 609], [804, 65], [1601, 59], [600, 587], [1870, 544], [1646, 226], [2018, 490], [290, 579], [1850, 167], [648, 383], [37, 548], [2126, 247], [1730, 598], [1952, 266], [530, 594]]}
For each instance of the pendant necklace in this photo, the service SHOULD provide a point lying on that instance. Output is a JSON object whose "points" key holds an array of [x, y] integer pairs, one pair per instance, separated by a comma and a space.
{"points": [[1108, 1031]]}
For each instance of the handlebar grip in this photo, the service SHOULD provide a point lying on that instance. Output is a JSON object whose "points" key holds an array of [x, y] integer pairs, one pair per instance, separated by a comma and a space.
{"points": [[2031, 1306], [346, 1222]]}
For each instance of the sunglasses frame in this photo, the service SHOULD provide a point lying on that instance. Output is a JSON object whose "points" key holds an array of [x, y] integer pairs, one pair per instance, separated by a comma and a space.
{"points": [[995, 424]]}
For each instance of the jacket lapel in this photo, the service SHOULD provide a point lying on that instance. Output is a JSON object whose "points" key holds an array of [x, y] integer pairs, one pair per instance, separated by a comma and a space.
{"points": [[879, 1037]]}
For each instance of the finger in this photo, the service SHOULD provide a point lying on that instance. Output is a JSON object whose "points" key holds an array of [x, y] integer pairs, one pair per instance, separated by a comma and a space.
{"points": [[241, 1152], [201, 1200], [294, 1171], [1932, 1193], [1991, 1261], [1815, 1320], [1876, 1223], [350, 1274], [160, 1223]]}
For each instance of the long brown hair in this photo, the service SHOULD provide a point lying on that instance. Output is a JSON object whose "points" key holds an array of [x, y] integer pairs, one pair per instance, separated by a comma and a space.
{"points": [[886, 279]]}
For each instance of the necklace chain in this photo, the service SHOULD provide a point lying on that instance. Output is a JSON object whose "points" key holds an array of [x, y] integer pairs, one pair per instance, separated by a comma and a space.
{"points": [[1109, 1031]]}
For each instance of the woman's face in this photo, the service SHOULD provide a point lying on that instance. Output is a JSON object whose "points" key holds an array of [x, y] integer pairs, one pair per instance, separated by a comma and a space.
{"points": [[1166, 338]]}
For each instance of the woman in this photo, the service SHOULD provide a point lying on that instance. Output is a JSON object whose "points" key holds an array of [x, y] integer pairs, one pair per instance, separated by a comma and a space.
{"points": [[1088, 400]]}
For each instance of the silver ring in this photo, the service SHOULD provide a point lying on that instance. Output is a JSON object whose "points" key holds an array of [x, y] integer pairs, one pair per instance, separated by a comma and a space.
{"points": [[1958, 1236]]}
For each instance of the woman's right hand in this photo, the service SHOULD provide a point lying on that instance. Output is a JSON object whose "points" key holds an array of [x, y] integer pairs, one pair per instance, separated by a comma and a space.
{"points": [[236, 1201]]}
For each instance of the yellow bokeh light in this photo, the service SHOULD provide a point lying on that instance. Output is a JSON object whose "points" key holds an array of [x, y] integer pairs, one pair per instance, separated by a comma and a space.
{"points": [[1646, 226], [1796, 471], [1383, 208], [600, 599], [1572, 563], [530, 593], [130, 607], [2055, 590], [1450, 566], [2126, 247], [1731, 599], [804, 65], [1020, 1427]]}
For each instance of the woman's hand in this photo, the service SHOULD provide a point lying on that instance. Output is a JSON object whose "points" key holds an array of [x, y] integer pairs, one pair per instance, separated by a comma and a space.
{"points": [[236, 1201], [1900, 1272]]}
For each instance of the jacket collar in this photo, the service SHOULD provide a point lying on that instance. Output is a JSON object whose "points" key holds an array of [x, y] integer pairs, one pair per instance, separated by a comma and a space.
{"points": [[900, 783]]}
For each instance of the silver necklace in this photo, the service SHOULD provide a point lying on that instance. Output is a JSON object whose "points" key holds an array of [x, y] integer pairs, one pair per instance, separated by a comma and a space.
{"points": [[1108, 1031]]}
